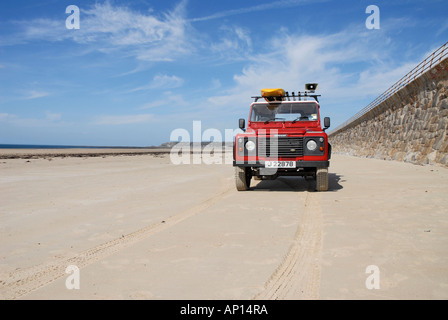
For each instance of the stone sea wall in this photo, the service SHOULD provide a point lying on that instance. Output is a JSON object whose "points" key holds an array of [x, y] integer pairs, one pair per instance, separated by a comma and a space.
{"points": [[409, 126]]}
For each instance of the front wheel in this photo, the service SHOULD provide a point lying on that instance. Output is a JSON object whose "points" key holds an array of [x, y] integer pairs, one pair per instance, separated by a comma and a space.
{"points": [[242, 178], [322, 179]]}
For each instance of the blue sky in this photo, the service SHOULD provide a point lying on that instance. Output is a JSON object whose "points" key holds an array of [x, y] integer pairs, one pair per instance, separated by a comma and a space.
{"points": [[136, 70]]}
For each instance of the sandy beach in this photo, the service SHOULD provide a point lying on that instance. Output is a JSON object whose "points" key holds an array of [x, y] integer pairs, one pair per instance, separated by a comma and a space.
{"points": [[139, 227]]}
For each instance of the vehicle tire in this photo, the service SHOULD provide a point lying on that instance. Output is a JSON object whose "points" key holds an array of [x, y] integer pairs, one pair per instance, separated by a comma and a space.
{"points": [[322, 179], [242, 178]]}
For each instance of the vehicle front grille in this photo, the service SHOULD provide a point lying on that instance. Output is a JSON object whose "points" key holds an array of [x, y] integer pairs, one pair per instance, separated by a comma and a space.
{"points": [[285, 147]]}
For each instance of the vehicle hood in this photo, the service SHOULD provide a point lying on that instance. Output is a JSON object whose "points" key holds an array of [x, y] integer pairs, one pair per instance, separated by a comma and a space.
{"points": [[282, 131]]}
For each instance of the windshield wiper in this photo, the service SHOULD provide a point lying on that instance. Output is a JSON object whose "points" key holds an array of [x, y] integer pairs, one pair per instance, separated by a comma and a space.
{"points": [[300, 118], [275, 119]]}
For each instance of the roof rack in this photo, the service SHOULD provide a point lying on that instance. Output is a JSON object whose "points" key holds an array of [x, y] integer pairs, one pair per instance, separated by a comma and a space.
{"points": [[292, 96]]}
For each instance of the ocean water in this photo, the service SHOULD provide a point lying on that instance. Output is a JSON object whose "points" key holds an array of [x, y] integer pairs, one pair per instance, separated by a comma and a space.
{"points": [[44, 146]]}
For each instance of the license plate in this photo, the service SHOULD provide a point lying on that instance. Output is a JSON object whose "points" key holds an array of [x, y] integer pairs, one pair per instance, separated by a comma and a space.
{"points": [[280, 164]]}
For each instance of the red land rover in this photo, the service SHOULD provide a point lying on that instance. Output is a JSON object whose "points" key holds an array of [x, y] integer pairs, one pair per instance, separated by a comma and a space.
{"points": [[284, 137]]}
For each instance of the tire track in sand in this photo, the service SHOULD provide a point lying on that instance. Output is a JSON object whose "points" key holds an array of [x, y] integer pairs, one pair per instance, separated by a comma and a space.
{"points": [[298, 275], [21, 282]]}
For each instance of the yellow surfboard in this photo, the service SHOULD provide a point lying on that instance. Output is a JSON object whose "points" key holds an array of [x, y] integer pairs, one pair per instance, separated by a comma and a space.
{"points": [[273, 94]]}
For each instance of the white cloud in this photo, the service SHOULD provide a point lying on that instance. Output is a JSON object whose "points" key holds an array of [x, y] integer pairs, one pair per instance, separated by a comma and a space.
{"points": [[149, 37], [166, 82], [442, 28], [260, 7], [106, 28], [34, 94], [50, 119], [235, 44], [52, 116], [37, 29], [123, 119], [122, 26], [350, 66], [216, 84], [5, 116], [160, 81], [172, 101]]}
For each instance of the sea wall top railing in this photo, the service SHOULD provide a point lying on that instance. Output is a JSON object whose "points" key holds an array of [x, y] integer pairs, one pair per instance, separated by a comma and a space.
{"points": [[431, 61]]}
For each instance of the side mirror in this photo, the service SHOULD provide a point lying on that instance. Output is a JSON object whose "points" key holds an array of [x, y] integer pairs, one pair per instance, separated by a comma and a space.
{"points": [[326, 123], [242, 124]]}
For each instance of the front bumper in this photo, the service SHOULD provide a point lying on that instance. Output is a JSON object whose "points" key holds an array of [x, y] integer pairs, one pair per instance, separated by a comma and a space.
{"points": [[299, 164]]}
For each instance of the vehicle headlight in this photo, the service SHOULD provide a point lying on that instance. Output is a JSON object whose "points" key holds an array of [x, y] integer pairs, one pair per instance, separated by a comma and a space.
{"points": [[311, 145], [250, 145]]}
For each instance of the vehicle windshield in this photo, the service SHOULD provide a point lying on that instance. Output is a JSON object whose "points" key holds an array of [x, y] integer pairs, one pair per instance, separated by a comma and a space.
{"points": [[284, 112]]}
